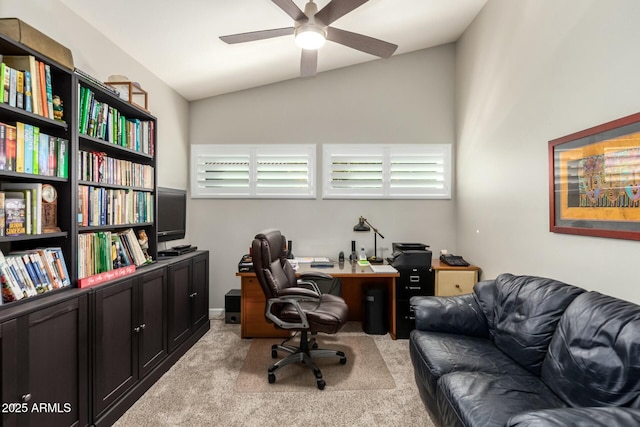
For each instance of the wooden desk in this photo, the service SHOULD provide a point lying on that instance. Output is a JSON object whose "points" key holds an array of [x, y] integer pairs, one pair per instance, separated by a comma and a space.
{"points": [[253, 323]]}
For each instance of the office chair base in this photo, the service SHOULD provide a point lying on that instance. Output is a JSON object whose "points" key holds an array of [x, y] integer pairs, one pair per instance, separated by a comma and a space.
{"points": [[304, 355]]}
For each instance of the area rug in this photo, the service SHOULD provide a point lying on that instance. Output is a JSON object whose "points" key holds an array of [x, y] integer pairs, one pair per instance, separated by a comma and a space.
{"points": [[365, 368]]}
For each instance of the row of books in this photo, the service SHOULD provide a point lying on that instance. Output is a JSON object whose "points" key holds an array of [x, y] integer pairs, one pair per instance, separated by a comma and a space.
{"points": [[20, 208], [23, 148], [100, 120], [109, 206], [100, 168], [106, 250], [28, 273], [27, 84]]}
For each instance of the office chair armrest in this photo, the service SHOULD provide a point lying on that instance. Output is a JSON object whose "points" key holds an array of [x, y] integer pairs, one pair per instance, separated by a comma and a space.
{"points": [[309, 279], [296, 291], [312, 275], [294, 300]]}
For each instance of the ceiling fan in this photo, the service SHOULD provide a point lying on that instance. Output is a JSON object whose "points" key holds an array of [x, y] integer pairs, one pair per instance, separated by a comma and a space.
{"points": [[312, 28]]}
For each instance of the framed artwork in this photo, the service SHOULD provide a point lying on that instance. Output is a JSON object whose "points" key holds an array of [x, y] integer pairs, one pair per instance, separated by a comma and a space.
{"points": [[594, 181]]}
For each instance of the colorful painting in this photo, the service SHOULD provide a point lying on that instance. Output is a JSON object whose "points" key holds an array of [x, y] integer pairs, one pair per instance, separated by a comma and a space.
{"points": [[595, 181]]}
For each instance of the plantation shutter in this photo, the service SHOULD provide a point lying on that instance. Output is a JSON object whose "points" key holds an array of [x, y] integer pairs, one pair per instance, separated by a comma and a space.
{"points": [[252, 171], [401, 171]]}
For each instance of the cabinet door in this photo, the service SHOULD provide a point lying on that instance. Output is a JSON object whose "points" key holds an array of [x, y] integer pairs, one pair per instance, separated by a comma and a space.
{"points": [[56, 365], [200, 290], [9, 370], [153, 320], [179, 291], [116, 351]]}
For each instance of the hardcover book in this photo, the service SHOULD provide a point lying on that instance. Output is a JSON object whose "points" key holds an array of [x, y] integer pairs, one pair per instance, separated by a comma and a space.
{"points": [[2, 224], [35, 191], [10, 144], [15, 213]]}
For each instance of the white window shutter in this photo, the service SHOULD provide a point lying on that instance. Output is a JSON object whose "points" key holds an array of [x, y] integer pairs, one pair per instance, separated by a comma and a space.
{"points": [[387, 171], [252, 171]]}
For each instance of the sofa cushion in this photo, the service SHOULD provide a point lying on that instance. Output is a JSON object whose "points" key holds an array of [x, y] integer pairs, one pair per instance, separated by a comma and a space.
{"points": [[527, 310], [594, 357], [487, 399], [459, 314], [577, 417], [435, 354]]}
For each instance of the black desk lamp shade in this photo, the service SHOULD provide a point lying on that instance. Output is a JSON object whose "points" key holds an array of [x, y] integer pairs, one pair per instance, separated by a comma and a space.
{"points": [[364, 225]]}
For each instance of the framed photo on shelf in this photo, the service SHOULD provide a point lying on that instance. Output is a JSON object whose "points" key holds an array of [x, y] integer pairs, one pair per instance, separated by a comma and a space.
{"points": [[594, 181]]}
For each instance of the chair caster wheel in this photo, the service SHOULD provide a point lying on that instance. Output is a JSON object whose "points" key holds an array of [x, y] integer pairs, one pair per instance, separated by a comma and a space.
{"points": [[272, 378], [274, 354], [315, 345], [343, 360], [321, 384]]}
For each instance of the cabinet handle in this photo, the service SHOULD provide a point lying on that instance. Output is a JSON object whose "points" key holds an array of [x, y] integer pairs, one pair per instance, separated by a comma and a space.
{"points": [[457, 286], [26, 397], [193, 295], [143, 326], [136, 329]]}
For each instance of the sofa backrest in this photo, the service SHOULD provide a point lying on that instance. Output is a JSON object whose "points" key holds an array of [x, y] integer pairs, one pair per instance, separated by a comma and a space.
{"points": [[485, 294], [527, 310], [594, 357]]}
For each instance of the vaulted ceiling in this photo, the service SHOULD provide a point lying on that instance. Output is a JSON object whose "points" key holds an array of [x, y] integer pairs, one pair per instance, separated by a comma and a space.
{"points": [[179, 41]]}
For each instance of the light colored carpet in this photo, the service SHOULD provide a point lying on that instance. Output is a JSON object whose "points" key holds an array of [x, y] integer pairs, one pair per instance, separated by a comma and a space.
{"points": [[365, 369], [199, 390]]}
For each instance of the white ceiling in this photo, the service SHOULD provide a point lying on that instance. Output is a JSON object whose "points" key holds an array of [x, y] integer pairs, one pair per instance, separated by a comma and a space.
{"points": [[178, 40]]}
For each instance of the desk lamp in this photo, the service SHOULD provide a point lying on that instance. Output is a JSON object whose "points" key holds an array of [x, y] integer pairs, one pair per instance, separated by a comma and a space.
{"points": [[364, 225]]}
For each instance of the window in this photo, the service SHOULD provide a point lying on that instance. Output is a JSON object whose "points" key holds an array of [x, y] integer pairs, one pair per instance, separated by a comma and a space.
{"points": [[253, 171], [381, 171]]}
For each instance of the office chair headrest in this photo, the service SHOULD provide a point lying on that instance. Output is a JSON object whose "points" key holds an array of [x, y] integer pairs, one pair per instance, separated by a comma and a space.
{"points": [[275, 242]]}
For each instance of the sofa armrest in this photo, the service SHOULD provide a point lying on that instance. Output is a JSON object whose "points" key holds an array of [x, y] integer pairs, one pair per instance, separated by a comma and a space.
{"points": [[458, 314], [593, 417]]}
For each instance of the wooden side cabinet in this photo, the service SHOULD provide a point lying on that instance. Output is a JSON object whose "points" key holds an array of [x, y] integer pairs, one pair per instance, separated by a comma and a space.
{"points": [[45, 365], [188, 281], [129, 336], [454, 280]]}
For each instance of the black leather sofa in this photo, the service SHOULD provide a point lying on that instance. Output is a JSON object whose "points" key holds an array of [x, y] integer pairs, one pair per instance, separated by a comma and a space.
{"points": [[527, 351]]}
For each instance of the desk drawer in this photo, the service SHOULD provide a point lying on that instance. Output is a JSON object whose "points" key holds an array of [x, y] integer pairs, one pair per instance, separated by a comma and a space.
{"points": [[453, 282], [414, 281]]}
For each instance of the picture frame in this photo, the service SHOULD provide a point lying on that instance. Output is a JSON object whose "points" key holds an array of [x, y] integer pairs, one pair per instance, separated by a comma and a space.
{"points": [[594, 181]]}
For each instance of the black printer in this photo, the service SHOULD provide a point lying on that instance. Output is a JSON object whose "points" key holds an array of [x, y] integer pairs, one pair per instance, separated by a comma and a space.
{"points": [[410, 255]]}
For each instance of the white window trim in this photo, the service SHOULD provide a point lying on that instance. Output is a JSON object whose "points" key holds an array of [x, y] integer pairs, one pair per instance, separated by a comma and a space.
{"points": [[248, 157], [376, 182]]}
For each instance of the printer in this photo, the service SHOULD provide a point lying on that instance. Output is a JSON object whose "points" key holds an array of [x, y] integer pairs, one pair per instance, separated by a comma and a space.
{"points": [[407, 255]]}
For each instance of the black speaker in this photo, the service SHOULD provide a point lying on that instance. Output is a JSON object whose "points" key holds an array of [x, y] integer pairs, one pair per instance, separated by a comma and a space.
{"points": [[232, 306]]}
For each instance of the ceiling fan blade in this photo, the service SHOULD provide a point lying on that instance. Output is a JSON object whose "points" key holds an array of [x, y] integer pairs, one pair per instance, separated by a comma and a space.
{"points": [[257, 35], [361, 42], [308, 62], [291, 9], [336, 9]]}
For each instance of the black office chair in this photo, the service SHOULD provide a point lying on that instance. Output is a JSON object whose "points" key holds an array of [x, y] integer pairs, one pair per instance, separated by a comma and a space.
{"points": [[295, 305]]}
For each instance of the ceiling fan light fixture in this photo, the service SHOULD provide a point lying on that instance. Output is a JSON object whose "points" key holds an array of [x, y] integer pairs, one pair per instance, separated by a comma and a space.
{"points": [[310, 36]]}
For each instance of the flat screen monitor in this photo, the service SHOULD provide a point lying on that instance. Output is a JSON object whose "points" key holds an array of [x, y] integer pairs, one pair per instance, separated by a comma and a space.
{"points": [[172, 214]]}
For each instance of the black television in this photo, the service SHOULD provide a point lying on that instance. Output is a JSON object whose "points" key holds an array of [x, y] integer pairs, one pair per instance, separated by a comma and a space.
{"points": [[172, 214]]}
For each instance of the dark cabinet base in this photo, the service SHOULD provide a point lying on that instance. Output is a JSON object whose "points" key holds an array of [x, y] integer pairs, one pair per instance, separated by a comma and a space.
{"points": [[119, 408]]}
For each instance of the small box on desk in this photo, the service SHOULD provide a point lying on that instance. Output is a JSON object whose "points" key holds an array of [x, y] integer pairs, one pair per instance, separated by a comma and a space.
{"points": [[232, 306]]}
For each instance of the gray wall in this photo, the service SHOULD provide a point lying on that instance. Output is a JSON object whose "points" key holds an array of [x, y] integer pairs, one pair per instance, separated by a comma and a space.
{"points": [[407, 99], [530, 71]]}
